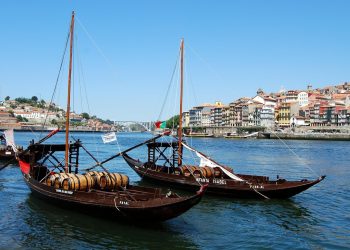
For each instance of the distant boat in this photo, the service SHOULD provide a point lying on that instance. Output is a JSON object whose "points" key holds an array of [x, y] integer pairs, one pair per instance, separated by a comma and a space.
{"points": [[109, 137], [8, 148], [101, 193], [237, 136], [197, 134], [165, 165]]}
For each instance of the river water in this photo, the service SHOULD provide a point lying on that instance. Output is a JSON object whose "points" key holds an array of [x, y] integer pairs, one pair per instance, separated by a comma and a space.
{"points": [[319, 218]]}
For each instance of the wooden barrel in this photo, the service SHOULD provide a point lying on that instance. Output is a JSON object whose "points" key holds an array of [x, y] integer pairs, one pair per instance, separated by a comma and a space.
{"points": [[217, 172], [60, 178], [113, 181], [178, 171], [197, 171], [209, 172], [50, 180], [78, 182], [125, 180], [95, 175], [186, 170], [70, 183]]}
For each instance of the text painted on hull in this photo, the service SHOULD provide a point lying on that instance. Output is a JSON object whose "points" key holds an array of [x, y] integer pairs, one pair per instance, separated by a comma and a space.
{"points": [[64, 191], [214, 181]]}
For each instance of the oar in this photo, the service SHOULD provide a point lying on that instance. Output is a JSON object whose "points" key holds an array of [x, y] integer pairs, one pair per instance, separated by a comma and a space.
{"points": [[127, 150]]}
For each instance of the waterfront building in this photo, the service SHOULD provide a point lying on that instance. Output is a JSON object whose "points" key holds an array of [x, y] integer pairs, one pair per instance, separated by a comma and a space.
{"points": [[245, 114], [206, 119], [216, 114], [199, 116], [267, 117], [236, 114], [291, 96], [226, 116], [305, 112], [285, 112], [186, 119], [297, 121], [195, 116], [303, 98], [254, 111]]}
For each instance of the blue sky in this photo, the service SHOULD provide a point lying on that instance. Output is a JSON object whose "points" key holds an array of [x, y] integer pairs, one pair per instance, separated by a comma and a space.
{"points": [[232, 49]]}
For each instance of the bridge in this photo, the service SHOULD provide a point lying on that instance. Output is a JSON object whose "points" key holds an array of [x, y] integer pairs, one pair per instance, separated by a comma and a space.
{"points": [[134, 125]]}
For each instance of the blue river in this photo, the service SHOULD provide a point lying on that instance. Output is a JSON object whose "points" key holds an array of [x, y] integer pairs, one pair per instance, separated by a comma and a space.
{"points": [[318, 218]]}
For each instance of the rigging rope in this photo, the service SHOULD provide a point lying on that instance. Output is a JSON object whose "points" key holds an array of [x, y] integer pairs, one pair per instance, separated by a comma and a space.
{"points": [[57, 79], [169, 86], [297, 156]]}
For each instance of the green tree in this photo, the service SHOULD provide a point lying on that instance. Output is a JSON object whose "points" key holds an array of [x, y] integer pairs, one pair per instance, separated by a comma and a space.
{"points": [[85, 116], [7, 98], [34, 98], [173, 122], [21, 119]]}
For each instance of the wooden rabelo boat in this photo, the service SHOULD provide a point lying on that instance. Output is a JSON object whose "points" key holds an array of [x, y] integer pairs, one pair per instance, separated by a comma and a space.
{"points": [[221, 180], [97, 192]]}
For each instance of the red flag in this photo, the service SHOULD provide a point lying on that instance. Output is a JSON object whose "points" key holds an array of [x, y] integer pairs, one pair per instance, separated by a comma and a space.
{"points": [[25, 167], [158, 123]]}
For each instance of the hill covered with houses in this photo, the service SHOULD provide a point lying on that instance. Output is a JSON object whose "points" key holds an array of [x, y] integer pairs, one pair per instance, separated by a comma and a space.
{"points": [[32, 114], [328, 106]]}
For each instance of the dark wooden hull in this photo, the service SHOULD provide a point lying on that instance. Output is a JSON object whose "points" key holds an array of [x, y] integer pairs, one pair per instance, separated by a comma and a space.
{"points": [[6, 155], [225, 187], [136, 203]]}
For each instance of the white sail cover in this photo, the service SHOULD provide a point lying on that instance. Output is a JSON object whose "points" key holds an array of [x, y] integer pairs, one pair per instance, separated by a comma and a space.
{"points": [[205, 161], [10, 139], [109, 137]]}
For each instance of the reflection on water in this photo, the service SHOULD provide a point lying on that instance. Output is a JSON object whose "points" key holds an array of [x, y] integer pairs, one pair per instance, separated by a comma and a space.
{"points": [[55, 225]]}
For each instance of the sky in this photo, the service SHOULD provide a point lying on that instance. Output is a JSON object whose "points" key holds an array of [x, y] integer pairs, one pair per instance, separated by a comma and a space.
{"points": [[125, 51]]}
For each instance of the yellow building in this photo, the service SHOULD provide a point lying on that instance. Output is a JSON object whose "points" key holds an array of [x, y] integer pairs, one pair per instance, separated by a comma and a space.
{"points": [[285, 112]]}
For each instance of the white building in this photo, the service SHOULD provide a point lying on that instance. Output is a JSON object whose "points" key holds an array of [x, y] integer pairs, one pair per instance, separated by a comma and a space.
{"points": [[296, 121], [303, 99]]}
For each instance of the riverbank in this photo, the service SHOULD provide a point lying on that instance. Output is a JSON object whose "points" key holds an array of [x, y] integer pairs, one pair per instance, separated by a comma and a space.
{"points": [[306, 136]]}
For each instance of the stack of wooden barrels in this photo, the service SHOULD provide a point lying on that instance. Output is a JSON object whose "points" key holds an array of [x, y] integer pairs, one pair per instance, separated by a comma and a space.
{"points": [[204, 172], [84, 182]]}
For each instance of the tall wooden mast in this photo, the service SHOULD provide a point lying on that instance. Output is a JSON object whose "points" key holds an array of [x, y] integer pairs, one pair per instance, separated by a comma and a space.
{"points": [[69, 89], [181, 94]]}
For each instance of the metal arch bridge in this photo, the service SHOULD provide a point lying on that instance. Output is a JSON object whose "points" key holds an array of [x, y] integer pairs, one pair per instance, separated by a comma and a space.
{"points": [[148, 126]]}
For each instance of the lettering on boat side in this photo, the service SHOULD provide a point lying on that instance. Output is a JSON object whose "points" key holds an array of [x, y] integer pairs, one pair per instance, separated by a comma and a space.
{"points": [[219, 181], [205, 180], [214, 181], [124, 203], [7, 153], [64, 191], [257, 186]]}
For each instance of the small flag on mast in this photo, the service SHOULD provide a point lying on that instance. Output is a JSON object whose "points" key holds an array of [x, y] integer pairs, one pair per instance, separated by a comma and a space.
{"points": [[160, 124], [109, 137]]}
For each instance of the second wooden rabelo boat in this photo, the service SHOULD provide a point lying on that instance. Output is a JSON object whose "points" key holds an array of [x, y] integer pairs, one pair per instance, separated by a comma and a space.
{"points": [[221, 180], [100, 193]]}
